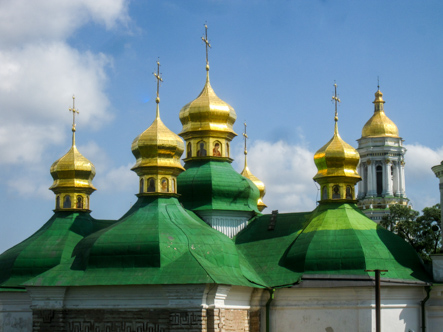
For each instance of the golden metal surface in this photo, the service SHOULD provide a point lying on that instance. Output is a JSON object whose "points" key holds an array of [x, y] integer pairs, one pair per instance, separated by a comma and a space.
{"points": [[156, 147], [72, 170], [337, 163], [379, 125], [157, 151], [207, 121], [207, 45], [247, 174], [208, 113], [72, 175]]}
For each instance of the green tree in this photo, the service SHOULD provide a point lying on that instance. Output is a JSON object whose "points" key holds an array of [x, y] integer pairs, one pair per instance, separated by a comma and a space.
{"points": [[421, 232]]}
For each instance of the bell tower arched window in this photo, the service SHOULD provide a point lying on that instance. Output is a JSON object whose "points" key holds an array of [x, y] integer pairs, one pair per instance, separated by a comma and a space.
{"points": [[379, 175]]}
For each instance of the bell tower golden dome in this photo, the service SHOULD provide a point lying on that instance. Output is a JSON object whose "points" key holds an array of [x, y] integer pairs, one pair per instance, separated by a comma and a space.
{"points": [[379, 124], [72, 175], [157, 151], [207, 121], [247, 174], [337, 163]]}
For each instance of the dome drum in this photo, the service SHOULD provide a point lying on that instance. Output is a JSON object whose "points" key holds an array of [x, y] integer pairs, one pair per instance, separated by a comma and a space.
{"points": [[159, 182], [207, 146], [337, 189], [72, 201]]}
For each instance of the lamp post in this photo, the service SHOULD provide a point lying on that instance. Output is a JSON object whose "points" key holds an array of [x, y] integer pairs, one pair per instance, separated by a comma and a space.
{"points": [[377, 299]]}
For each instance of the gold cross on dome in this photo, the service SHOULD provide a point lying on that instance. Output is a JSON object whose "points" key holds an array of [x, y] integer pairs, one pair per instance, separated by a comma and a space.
{"points": [[159, 79], [206, 41], [246, 137], [73, 110], [336, 100]]}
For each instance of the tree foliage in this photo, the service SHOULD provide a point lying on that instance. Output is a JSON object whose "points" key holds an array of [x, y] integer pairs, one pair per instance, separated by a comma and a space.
{"points": [[421, 232]]}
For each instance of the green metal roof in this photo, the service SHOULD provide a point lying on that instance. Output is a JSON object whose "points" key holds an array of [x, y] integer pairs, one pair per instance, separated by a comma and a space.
{"points": [[50, 245], [335, 239], [211, 184], [156, 242]]}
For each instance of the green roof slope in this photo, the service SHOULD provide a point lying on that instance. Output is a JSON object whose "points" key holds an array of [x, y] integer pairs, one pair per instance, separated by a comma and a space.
{"points": [[335, 239], [210, 184], [50, 245], [156, 242], [264, 248]]}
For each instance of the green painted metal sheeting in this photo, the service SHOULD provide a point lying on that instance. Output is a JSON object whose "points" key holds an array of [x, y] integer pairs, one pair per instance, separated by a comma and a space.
{"points": [[48, 247], [156, 242], [215, 185], [335, 239]]}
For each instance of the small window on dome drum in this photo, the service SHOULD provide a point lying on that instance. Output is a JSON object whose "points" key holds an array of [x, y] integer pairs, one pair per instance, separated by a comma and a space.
{"points": [[151, 185], [67, 202], [79, 202], [336, 192]]}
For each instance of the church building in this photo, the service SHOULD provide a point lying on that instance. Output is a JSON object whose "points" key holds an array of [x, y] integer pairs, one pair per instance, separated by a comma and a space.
{"points": [[197, 253]]}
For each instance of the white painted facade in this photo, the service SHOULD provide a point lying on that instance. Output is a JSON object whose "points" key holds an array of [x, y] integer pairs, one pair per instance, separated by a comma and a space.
{"points": [[382, 168], [15, 311], [320, 306]]}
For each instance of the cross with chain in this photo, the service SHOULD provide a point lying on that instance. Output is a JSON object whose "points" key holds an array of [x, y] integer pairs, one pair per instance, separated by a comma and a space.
{"points": [[336, 100], [206, 41], [159, 79], [246, 137], [73, 110]]}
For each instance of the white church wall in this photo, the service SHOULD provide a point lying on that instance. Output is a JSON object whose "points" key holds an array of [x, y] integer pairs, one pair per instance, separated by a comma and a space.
{"points": [[343, 309], [15, 312], [434, 310]]}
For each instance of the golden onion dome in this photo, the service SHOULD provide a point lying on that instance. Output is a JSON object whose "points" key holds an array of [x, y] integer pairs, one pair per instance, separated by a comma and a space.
{"points": [[208, 113], [336, 158], [259, 184], [379, 125], [73, 171], [157, 147]]}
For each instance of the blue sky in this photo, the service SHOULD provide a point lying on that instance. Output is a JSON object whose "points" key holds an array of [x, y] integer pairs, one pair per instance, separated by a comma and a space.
{"points": [[275, 62]]}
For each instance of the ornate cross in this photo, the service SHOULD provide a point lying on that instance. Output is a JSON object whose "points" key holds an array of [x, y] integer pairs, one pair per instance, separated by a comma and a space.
{"points": [[246, 137], [206, 41], [159, 79], [336, 100], [73, 110]]}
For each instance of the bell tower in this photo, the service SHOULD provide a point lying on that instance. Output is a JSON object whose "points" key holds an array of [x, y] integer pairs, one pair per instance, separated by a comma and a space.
{"points": [[382, 165]]}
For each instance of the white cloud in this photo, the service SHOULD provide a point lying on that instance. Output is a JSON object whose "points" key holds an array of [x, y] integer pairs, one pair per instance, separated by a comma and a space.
{"points": [[287, 172], [23, 21], [421, 183], [36, 91], [40, 72], [419, 160], [118, 180]]}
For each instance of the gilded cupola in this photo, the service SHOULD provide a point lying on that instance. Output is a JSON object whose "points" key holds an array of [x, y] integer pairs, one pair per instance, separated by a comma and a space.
{"points": [[379, 125], [72, 175], [247, 174], [207, 121], [157, 151], [337, 163]]}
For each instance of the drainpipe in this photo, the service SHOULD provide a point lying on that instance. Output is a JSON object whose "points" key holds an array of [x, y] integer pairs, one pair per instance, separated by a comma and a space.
{"points": [[423, 308], [268, 305]]}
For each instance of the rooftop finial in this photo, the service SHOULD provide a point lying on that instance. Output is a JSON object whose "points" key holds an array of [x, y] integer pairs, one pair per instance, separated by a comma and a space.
{"points": [[245, 137], [336, 100], [73, 110], [159, 79], [378, 83], [206, 41]]}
